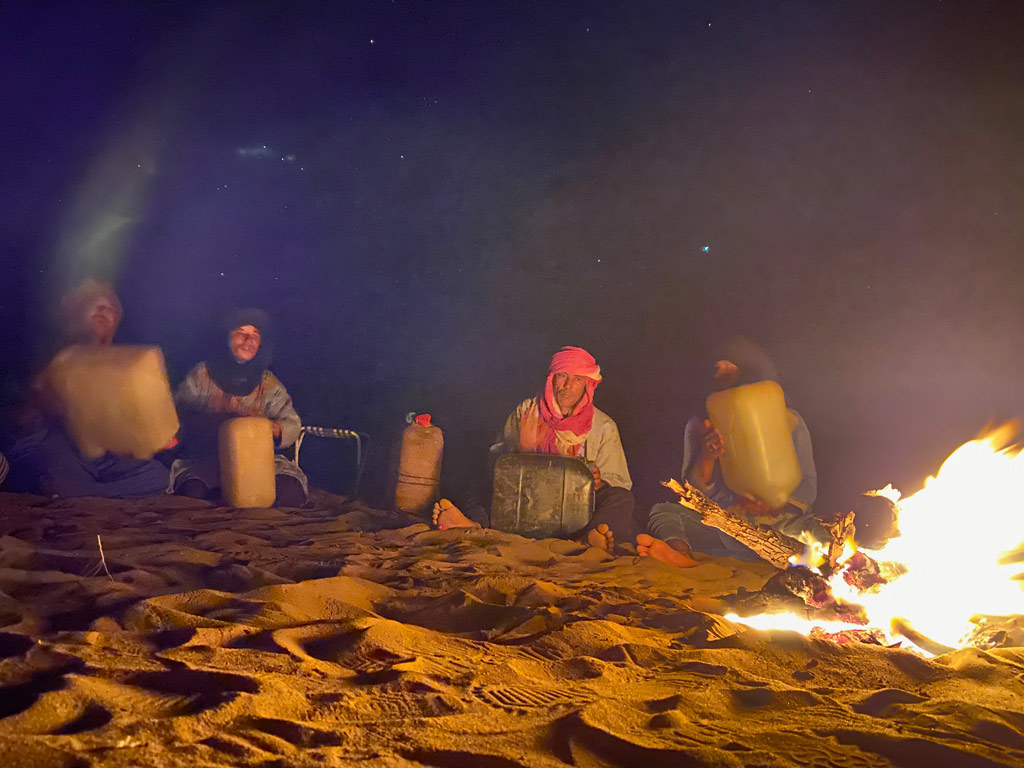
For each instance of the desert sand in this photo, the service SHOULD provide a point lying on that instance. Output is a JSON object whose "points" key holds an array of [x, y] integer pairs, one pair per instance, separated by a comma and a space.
{"points": [[339, 635]]}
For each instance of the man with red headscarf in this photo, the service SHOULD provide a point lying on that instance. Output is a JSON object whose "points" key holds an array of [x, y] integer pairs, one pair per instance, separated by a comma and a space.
{"points": [[564, 421]]}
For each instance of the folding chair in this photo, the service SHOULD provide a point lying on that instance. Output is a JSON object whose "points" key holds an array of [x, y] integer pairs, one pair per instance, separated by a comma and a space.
{"points": [[336, 434]]}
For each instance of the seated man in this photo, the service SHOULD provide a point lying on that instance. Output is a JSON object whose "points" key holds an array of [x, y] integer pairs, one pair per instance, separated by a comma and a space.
{"points": [[44, 458], [675, 530], [565, 422], [235, 381]]}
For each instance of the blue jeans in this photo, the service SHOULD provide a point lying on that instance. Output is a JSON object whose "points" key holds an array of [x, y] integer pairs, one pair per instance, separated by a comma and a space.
{"points": [[674, 521], [50, 464]]}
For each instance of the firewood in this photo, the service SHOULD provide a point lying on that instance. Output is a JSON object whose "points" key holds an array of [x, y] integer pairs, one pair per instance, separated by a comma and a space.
{"points": [[771, 545], [841, 531]]}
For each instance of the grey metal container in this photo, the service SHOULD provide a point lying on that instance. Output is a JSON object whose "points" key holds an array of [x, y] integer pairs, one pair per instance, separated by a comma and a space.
{"points": [[541, 496]]}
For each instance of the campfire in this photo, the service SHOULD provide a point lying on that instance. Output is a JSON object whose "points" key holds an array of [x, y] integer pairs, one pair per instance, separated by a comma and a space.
{"points": [[952, 577]]}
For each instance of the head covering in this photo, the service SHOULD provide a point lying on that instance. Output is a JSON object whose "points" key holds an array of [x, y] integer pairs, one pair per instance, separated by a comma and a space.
{"points": [[553, 432], [74, 304], [236, 377], [754, 363]]}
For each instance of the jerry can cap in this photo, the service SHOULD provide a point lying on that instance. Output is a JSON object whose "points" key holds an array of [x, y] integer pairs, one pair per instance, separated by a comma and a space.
{"points": [[423, 419]]}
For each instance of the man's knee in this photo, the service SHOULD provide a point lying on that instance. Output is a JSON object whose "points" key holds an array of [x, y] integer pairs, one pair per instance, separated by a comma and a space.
{"points": [[614, 497], [667, 521]]}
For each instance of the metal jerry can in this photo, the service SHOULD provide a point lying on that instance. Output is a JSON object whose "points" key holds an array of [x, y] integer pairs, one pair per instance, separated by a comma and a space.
{"points": [[541, 496]]}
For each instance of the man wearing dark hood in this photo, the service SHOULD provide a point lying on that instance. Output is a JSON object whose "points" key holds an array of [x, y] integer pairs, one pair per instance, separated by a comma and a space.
{"points": [[235, 381], [675, 530]]}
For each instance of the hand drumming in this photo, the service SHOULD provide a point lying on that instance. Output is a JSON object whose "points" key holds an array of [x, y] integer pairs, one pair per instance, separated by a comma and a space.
{"points": [[753, 507], [712, 445]]}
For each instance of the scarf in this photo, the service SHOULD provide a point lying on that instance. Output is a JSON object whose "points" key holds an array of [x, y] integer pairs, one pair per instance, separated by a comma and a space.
{"points": [[240, 378], [543, 428]]}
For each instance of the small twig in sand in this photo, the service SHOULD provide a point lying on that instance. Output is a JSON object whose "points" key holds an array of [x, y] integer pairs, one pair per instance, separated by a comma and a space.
{"points": [[102, 558]]}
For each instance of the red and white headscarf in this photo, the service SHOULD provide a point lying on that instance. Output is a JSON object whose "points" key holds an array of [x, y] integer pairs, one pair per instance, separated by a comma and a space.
{"points": [[543, 428]]}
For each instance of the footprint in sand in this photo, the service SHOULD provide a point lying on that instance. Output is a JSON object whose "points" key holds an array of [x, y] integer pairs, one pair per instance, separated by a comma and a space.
{"points": [[15, 699], [92, 718], [296, 734], [382, 705], [886, 703], [14, 645], [523, 697], [194, 691]]}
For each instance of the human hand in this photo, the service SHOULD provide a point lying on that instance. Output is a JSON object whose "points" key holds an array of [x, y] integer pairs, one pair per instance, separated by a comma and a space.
{"points": [[598, 482], [712, 445], [753, 507]]}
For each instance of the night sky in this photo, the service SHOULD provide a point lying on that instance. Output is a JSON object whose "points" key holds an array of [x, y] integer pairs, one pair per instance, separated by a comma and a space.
{"points": [[431, 198]]}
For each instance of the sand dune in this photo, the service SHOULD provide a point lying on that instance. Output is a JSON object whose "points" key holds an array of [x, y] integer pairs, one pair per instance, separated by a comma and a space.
{"points": [[340, 636]]}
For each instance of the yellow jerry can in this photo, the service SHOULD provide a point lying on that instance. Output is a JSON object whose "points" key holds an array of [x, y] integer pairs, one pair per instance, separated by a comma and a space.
{"points": [[247, 462], [760, 459], [114, 398]]}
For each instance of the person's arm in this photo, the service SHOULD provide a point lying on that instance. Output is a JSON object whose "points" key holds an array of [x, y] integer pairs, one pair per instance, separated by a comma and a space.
{"points": [[278, 407], [508, 441], [190, 394], [611, 459], [699, 460], [697, 469], [807, 492], [199, 427]]}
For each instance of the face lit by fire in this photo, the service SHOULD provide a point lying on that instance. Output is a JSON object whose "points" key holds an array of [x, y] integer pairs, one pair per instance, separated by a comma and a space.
{"points": [[102, 318], [726, 373], [568, 389], [244, 342]]}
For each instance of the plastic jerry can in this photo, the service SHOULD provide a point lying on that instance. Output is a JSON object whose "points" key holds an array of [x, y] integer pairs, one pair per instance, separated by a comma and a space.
{"points": [[114, 398], [247, 462], [541, 496], [757, 433], [419, 466]]}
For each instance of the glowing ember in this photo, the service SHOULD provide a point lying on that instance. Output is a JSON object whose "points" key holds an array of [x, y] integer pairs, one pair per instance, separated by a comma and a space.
{"points": [[957, 534]]}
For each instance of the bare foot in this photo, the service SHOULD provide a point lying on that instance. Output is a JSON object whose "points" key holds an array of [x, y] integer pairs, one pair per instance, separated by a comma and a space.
{"points": [[648, 546], [447, 515], [601, 538]]}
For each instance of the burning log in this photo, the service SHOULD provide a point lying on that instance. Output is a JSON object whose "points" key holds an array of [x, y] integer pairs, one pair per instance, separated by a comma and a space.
{"points": [[996, 632], [868, 635], [800, 581], [769, 544], [841, 532], [814, 591], [775, 547], [906, 629], [865, 574]]}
